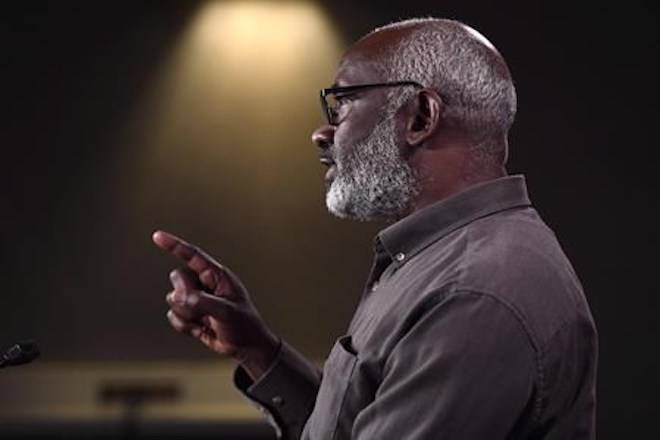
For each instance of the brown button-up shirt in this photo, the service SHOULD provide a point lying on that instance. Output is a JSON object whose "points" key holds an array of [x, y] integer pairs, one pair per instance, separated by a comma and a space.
{"points": [[473, 325]]}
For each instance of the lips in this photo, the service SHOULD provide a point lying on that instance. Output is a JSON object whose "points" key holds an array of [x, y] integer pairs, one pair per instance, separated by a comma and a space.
{"points": [[328, 162]]}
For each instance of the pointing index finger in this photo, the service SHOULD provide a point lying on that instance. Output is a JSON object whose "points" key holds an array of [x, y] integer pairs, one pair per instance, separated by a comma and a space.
{"points": [[195, 258]]}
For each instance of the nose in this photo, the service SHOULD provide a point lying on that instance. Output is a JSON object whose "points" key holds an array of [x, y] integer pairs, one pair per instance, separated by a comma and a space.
{"points": [[324, 136]]}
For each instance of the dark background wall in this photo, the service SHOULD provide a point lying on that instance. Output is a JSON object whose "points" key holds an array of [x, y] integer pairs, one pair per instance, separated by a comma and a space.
{"points": [[79, 274]]}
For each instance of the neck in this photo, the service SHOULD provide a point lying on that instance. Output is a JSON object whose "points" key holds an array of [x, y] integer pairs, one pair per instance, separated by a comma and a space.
{"points": [[448, 171]]}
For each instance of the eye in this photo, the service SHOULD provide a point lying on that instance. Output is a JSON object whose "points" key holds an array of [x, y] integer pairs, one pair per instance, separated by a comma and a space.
{"points": [[343, 99], [337, 105]]}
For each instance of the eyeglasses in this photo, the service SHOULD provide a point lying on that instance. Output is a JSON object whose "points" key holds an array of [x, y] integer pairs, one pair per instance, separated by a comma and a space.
{"points": [[332, 98]]}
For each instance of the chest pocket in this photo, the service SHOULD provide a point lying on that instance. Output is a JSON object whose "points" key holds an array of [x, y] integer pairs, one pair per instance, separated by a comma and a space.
{"points": [[325, 421]]}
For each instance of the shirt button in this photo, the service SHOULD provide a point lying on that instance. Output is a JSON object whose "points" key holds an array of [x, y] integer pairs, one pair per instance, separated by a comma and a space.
{"points": [[400, 256], [277, 401]]}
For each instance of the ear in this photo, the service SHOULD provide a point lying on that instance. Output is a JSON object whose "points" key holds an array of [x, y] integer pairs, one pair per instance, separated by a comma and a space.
{"points": [[424, 117]]}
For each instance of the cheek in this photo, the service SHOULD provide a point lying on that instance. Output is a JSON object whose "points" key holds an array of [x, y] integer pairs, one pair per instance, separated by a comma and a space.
{"points": [[342, 134], [351, 131], [343, 145], [344, 137]]}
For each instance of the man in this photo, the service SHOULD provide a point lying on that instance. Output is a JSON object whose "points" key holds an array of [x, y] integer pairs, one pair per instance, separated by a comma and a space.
{"points": [[473, 324]]}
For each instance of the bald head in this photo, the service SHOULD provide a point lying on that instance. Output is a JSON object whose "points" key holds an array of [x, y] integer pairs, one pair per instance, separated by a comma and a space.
{"points": [[460, 64]]}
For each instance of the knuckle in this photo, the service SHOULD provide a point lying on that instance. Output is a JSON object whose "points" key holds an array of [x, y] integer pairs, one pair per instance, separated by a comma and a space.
{"points": [[192, 301]]}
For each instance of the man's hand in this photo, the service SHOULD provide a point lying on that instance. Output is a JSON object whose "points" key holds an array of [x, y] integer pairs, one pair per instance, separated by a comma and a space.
{"points": [[211, 304]]}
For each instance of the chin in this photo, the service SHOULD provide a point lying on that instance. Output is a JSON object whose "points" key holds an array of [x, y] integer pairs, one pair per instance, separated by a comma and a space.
{"points": [[336, 201], [342, 202], [345, 212]]}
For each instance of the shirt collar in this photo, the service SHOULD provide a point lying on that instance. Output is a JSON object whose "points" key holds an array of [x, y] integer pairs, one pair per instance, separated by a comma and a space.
{"points": [[415, 232]]}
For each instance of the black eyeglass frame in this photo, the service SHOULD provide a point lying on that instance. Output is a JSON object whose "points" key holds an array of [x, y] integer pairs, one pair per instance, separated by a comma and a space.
{"points": [[330, 116]]}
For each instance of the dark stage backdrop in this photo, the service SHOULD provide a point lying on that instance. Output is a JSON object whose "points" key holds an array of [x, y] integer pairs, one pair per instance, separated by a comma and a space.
{"points": [[79, 200]]}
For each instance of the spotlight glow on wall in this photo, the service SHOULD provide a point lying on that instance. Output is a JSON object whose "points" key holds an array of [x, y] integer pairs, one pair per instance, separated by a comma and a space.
{"points": [[254, 42], [238, 97], [246, 32]]}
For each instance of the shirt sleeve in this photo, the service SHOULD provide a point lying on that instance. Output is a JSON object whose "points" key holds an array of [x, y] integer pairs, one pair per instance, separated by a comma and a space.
{"points": [[464, 370], [285, 394]]}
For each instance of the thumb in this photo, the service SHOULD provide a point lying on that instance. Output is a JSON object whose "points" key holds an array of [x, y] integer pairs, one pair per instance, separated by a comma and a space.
{"points": [[184, 280]]}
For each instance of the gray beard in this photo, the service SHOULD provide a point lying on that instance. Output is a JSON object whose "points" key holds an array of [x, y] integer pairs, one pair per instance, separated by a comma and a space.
{"points": [[372, 181]]}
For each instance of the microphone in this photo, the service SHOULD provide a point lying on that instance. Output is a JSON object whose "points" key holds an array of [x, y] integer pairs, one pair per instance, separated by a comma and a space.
{"points": [[20, 353]]}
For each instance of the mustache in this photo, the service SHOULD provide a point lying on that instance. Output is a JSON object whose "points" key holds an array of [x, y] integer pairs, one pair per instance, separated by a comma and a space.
{"points": [[326, 155]]}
